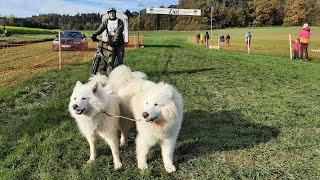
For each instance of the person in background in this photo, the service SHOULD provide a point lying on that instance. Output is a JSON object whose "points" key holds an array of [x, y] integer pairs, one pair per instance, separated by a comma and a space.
{"points": [[297, 49], [207, 37], [115, 28], [304, 40], [198, 38], [222, 39], [228, 39], [248, 40], [4, 30], [202, 38]]}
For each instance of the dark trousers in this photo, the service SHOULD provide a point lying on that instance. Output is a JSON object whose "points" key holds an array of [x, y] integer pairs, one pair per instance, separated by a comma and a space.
{"points": [[296, 55], [117, 51], [304, 51]]}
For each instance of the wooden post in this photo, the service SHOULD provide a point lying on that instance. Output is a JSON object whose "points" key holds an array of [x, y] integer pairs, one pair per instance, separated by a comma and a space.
{"points": [[60, 61], [134, 41], [290, 44], [248, 45]]}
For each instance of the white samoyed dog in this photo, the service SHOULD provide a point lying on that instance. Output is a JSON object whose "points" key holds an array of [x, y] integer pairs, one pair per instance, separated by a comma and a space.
{"points": [[161, 110], [125, 124], [125, 83], [88, 105]]}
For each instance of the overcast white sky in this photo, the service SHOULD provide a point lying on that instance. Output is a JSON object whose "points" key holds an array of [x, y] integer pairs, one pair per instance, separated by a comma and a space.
{"points": [[27, 8]]}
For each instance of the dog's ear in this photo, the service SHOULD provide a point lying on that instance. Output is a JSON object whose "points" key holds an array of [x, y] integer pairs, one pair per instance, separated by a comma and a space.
{"points": [[95, 88], [108, 88], [166, 89], [78, 83]]}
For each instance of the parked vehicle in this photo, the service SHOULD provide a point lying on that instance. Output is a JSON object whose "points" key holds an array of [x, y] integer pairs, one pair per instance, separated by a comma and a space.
{"points": [[71, 40]]}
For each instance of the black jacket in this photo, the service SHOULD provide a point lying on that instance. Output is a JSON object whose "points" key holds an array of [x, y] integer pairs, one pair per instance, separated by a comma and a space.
{"points": [[116, 39]]}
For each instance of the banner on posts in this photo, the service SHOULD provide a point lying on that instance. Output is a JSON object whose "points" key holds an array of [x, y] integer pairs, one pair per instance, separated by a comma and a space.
{"points": [[171, 11]]}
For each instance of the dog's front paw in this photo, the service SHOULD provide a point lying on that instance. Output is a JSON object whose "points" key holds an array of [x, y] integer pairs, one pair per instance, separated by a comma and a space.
{"points": [[90, 161], [142, 166], [123, 144], [117, 166], [170, 168]]}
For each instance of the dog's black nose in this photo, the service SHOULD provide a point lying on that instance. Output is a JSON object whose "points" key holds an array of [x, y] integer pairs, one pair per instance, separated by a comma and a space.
{"points": [[74, 106], [145, 114]]}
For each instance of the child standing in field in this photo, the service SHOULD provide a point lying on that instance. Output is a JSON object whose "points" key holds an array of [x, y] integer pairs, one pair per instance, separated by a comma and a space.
{"points": [[297, 49]]}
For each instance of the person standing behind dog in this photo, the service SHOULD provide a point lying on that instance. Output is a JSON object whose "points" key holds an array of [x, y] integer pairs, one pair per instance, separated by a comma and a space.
{"points": [[304, 40], [114, 27]]}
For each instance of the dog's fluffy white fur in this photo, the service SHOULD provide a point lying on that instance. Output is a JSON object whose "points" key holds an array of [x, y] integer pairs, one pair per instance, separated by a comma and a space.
{"points": [[87, 105], [125, 84], [160, 108], [122, 76]]}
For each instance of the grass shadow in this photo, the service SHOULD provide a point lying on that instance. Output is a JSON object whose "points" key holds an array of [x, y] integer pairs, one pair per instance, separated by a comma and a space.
{"points": [[161, 46], [205, 132], [166, 72]]}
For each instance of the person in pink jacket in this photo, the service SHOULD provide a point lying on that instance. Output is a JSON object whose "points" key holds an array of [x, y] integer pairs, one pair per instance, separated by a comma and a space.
{"points": [[304, 40], [297, 49]]}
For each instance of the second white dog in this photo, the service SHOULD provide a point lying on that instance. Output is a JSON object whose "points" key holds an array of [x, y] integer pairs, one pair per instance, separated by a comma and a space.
{"points": [[161, 110]]}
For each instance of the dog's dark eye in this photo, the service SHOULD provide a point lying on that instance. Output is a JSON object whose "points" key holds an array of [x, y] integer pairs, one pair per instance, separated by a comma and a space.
{"points": [[147, 103], [84, 98], [75, 98], [156, 104]]}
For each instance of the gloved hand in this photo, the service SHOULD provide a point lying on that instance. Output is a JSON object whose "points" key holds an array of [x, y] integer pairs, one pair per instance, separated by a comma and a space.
{"points": [[94, 38], [111, 43]]}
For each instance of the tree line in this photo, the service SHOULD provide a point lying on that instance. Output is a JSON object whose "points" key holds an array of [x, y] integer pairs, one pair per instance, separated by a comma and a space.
{"points": [[225, 13]]}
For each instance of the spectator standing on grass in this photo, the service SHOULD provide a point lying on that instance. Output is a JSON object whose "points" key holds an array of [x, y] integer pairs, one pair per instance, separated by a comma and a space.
{"points": [[228, 39], [297, 49], [304, 40], [114, 27], [207, 37], [222, 39], [198, 38], [202, 38], [248, 40]]}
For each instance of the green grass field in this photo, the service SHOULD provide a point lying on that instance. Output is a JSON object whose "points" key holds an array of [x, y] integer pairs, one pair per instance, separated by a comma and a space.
{"points": [[245, 117], [27, 35], [25, 30]]}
